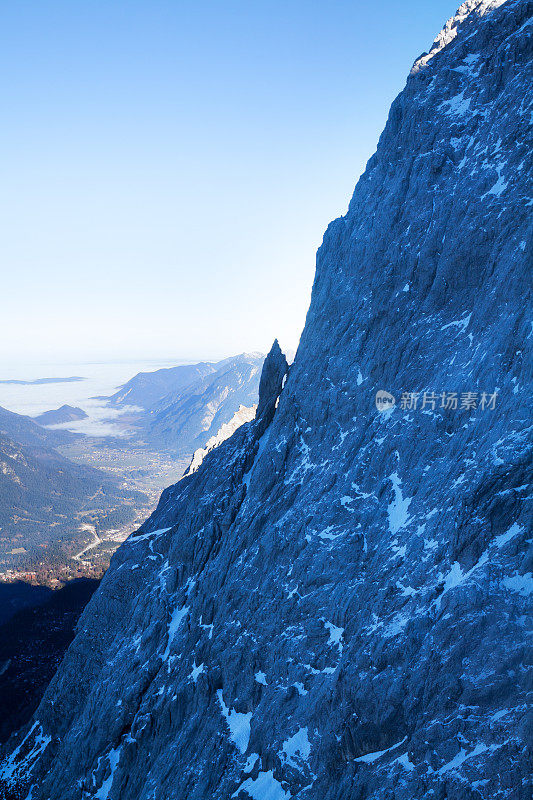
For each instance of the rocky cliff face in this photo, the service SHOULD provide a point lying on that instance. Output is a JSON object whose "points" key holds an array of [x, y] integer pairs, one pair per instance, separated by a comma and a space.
{"points": [[334, 605]]}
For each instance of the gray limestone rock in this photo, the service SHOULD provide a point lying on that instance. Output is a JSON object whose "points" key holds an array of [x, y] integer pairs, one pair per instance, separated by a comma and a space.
{"points": [[336, 607]]}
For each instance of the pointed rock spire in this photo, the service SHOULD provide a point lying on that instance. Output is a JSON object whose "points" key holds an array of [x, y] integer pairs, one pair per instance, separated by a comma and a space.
{"points": [[275, 368]]}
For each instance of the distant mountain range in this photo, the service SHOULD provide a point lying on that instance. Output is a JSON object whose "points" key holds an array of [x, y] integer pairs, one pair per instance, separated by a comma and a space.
{"points": [[51, 507], [147, 388], [185, 406], [185, 420], [60, 415], [37, 381]]}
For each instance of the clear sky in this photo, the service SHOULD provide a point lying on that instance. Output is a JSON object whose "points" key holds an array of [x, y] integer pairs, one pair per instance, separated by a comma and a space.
{"points": [[169, 168]]}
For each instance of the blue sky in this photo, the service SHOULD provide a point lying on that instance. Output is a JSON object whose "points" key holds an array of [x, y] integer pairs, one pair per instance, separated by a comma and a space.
{"points": [[170, 167]]}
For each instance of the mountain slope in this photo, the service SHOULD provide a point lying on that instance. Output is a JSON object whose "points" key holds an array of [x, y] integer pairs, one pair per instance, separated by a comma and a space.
{"points": [[59, 415], [27, 432], [333, 605], [48, 504], [227, 429], [147, 388], [184, 421]]}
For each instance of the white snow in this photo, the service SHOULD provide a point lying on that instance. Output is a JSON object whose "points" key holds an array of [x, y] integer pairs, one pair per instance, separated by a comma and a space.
{"points": [[196, 671], [345, 501], [397, 510], [459, 323], [515, 529], [458, 105], [396, 626], [305, 464], [407, 591], [359, 378], [450, 29], [264, 787], [399, 551], [142, 537], [209, 628], [499, 714], [335, 634], [343, 435], [404, 762], [239, 724], [497, 188], [521, 584], [113, 757], [261, 678], [10, 767], [467, 67], [300, 688], [456, 576], [461, 757], [369, 758], [251, 761], [296, 748], [326, 533], [177, 618], [360, 494]]}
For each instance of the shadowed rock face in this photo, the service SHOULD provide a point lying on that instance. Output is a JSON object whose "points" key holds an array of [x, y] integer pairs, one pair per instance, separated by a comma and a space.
{"points": [[275, 370], [32, 645], [334, 607]]}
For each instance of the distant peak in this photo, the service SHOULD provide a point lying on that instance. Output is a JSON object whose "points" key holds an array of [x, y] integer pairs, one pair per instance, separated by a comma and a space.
{"points": [[60, 415]]}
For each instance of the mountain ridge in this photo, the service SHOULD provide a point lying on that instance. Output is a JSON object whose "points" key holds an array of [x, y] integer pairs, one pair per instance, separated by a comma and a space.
{"points": [[57, 416], [184, 420]]}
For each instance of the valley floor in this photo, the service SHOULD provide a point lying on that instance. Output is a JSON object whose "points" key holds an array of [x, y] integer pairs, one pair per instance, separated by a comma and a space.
{"points": [[137, 469]]}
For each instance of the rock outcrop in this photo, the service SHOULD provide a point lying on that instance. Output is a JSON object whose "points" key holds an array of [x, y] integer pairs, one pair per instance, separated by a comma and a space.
{"points": [[334, 606]]}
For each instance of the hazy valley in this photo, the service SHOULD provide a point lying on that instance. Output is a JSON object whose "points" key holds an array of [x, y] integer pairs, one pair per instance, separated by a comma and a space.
{"points": [[69, 499]]}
